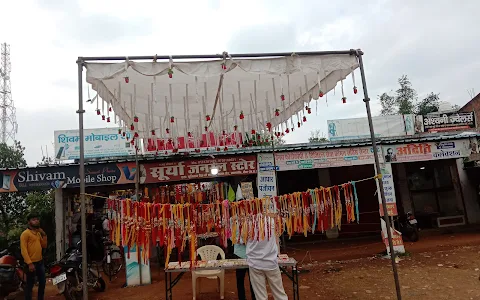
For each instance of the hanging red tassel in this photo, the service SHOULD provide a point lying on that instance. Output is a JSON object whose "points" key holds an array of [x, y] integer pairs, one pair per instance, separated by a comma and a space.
{"points": [[98, 112], [153, 131], [269, 126], [206, 129], [119, 131], [253, 131], [344, 99], [225, 149], [235, 127], [135, 119], [132, 127], [135, 135], [282, 96], [320, 93], [298, 124], [241, 115], [127, 80], [110, 108], [108, 119], [304, 119], [170, 73], [355, 90], [309, 110], [287, 130], [103, 117], [172, 119], [167, 130], [277, 113], [207, 117], [189, 134]]}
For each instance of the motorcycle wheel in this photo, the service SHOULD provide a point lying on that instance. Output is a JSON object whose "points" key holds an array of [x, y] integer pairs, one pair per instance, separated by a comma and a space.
{"points": [[100, 286], [414, 235], [115, 265], [70, 292]]}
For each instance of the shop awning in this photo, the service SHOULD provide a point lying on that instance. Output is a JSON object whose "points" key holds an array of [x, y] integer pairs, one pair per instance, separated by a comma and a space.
{"points": [[172, 99]]}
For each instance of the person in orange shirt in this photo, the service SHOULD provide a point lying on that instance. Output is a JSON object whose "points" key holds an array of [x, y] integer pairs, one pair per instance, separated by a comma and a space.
{"points": [[32, 242]]}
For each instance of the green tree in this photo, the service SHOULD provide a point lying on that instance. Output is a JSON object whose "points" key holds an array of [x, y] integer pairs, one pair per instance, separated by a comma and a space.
{"points": [[12, 205], [317, 137], [428, 104], [388, 104], [406, 96]]}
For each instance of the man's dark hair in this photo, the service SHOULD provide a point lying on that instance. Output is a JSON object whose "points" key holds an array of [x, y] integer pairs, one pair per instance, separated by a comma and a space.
{"points": [[32, 216]]}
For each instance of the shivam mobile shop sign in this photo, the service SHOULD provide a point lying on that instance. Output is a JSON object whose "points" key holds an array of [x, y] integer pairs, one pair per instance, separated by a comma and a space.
{"points": [[100, 142], [427, 151], [447, 121], [341, 157], [46, 178]]}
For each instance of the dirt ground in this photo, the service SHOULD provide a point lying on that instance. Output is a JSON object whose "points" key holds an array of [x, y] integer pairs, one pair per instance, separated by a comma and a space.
{"points": [[440, 266]]}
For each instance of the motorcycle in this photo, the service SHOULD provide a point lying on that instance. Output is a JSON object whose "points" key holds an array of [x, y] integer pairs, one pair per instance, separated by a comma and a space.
{"points": [[67, 275], [408, 226], [12, 276]]}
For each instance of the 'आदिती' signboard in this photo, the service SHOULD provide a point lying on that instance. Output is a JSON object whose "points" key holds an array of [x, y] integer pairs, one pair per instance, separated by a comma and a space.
{"points": [[46, 178], [447, 121], [266, 178], [316, 159], [197, 169], [427, 151], [101, 142]]}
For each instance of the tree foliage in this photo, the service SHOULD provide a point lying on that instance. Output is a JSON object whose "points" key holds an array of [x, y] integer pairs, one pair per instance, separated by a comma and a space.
{"points": [[405, 101], [317, 137]]}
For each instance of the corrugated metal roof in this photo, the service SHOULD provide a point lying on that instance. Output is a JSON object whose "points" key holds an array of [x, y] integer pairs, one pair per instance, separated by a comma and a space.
{"points": [[430, 137]]}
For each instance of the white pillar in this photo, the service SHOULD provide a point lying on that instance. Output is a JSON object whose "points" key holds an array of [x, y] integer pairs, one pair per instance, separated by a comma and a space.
{"points": [[59, 223]]}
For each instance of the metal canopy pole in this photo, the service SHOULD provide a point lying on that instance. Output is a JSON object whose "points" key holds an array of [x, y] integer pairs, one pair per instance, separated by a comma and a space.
{"points": [[221, 56], [380, 182], [80, 113]]}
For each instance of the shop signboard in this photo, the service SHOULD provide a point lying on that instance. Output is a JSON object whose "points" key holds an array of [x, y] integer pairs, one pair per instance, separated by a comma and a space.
{"points": [[100, 142], [208, 140], [46, 178], [197, 169], [446, 121], [427, 151], [388, 191], [266, 178], [358, 128], [328, 158]]}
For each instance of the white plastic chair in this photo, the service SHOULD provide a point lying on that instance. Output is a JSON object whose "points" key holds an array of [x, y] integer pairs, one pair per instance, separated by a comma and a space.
{"points": [[207, 253]]}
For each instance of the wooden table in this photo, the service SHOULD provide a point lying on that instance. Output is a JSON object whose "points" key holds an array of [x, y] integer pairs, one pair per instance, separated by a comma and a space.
{"points": [[227, 264]]}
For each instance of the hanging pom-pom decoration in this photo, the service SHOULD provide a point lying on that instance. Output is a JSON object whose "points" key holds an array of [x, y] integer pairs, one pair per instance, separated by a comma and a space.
{"points": [[218, 149], [119, 131], [103, 117], [170, 73], [293, 128], [277, 112], [320, 94], [298, 124], [225, 149], [135, 135], [135, 119], [108, 119], [253, 131], [355, 90], [132, 127], [282, 96], [124, 133], [224, 66], [175, 150], [242, 116], [304, 119], [207, 117], [127, 80], [153, 131], [309, 110], [269, 126], [238, 146], [287, 130], [235, 127], [172, 119], [189, 134], [344, 99], [224, 132], [110, 109], [167, 130], [132, 142], [206, 129], [197, 150]]}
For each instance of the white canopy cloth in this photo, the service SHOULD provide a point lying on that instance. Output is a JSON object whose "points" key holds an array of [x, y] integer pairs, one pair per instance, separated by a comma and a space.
{"points": [[222, 95]]}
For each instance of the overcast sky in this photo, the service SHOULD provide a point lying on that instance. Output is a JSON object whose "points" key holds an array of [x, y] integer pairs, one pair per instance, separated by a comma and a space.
{"points": [[434, 42]]}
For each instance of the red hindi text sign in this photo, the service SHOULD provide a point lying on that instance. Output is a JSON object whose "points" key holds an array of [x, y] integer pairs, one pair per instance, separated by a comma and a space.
{"points": [[198, 169]]}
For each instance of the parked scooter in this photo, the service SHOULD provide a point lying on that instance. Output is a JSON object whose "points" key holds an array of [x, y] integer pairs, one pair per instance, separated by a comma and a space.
{"points": [[408, 226], [12, 276], [67, 275]]}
